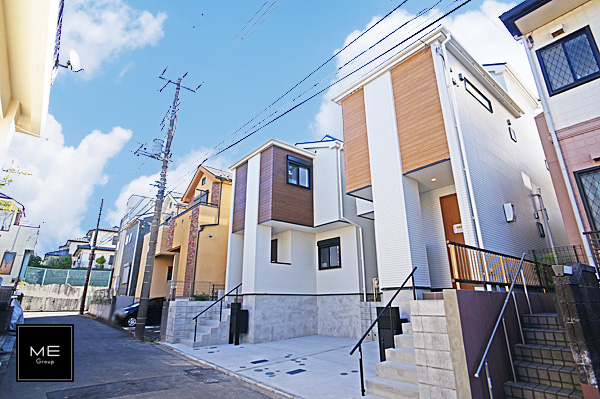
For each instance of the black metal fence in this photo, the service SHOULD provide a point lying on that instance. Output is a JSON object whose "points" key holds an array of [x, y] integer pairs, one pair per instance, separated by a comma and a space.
{"points": [[546, 257]]}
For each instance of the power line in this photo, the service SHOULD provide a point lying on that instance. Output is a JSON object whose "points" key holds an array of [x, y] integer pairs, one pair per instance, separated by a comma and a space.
{"points": [[334, 83]]}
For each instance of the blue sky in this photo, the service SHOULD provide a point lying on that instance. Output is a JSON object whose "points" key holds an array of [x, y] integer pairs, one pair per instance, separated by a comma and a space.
{"points": [[98, 116]]}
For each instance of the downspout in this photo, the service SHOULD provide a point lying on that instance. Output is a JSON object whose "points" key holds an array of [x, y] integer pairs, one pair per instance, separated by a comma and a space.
{"points": [[206, 225], [538, 194], [341, 210], [459, 133], [561, 159]]}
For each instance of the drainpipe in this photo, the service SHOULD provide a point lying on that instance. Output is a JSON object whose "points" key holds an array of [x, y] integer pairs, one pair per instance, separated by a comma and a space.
{"points": [[359, 228], [463, 155], [538, 194], [561, 159]]}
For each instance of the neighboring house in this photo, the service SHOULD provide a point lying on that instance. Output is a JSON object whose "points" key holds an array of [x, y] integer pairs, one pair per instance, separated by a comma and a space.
{"points": [[105, 246], [304, 256], [441, 148], [172, 206], [560, 39], [29, 43], [56, 254], [134, 225], [17, 240], [191, 247]]}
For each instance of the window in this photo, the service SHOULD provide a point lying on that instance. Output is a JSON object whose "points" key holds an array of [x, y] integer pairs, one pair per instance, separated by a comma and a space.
{"points": [[5, 220], [115, 240], [169, 273], [111, 259], [570, 61], [513, 134], [474, 91], [298, 172], [204, 180], [274, 251], [329, 254], [588, 181], [7, 262]]}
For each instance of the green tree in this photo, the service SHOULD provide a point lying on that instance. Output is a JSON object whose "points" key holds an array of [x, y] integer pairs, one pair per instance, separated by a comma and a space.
{"points": [[35, 261], [61, 262], [101, 261]]}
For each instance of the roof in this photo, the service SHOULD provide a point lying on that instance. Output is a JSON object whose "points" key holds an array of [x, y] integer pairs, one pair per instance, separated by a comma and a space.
{"points": [[323, 140], [60, 252], [114, 229], [6, 197], [277, 143], [88, 246], [531, 14], [221, 174], [217, 173]]}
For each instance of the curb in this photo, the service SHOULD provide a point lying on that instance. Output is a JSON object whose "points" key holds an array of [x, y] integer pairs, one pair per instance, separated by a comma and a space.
{"points": [[229, 373]]}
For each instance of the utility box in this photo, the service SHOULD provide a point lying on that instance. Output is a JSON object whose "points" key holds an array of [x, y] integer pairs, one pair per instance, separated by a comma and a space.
{"points": [[389, 324], [238, 323]]}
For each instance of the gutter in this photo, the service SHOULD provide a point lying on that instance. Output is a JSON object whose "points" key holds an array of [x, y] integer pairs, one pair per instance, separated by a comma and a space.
{"points": [[458, 128], [561, 159], [342, 218]]}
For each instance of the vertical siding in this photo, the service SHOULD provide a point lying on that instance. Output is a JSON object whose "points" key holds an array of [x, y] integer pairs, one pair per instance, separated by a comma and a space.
{"points": [[239, 202], [265, 195], [290, 203], [356, 143], [418, 112]]}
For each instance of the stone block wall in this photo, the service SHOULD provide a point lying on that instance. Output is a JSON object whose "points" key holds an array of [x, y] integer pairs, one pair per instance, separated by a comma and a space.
{"points": [[179, 320]]}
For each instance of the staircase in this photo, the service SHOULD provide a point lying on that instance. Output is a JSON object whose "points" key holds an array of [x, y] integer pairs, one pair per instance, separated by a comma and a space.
{"points": [[397, 376], [544, 364], [210, 330]]}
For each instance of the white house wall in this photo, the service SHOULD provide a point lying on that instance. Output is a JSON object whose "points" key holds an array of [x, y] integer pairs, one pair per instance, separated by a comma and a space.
{"points": [[253, 233], [325, 187], [393, 238], [579, 104], [346, 279], [497, 165]]}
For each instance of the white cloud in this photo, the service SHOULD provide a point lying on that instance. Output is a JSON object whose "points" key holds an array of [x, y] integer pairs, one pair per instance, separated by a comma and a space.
{"points": [[63, 178], [480, 31], [99, 30], [178, 178]]}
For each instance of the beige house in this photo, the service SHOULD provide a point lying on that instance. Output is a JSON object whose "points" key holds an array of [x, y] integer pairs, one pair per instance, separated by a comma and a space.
{"points": [[29, 43], [559, 39]]}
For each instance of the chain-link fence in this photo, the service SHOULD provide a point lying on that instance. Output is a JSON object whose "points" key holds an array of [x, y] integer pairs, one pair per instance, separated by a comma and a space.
{"points": [[74, 277]]}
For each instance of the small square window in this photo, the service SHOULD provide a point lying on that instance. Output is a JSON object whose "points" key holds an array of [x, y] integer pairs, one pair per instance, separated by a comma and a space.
{"points": [[298, 172], [204, 180], [513, 134], [474, 91], [570, 61], [329, 254]]}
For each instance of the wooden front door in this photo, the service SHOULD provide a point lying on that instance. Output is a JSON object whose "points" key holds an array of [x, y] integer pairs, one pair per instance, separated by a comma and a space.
{"points": [[452, 228]]}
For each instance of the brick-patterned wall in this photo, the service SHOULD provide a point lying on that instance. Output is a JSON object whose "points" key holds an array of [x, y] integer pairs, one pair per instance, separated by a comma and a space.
{"points": [[191, 252], [215, 193], [171, 234]]}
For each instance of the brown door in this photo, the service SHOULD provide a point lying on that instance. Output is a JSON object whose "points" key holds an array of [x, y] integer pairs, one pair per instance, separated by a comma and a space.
{"points": [[452, 228]]}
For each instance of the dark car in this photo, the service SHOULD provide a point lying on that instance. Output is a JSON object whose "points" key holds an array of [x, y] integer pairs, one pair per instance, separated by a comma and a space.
{"points": [[127, 317]]}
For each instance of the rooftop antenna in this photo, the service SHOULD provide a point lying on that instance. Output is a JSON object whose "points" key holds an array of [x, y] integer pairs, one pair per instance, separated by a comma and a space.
{"points": [[74, 63]]}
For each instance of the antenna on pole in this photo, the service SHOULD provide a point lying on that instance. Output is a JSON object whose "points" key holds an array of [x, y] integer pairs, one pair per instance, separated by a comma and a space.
{"points": [[160, 151]]}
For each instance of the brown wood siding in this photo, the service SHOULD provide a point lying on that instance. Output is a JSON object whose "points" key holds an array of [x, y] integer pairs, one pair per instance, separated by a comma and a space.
{"points": [[419, 118], [265, 193], [289, 203], [356, 143], [239, 202]]}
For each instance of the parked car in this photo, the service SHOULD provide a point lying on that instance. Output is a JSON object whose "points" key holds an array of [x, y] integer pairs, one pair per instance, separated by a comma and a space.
{"points": [[127, 317]]}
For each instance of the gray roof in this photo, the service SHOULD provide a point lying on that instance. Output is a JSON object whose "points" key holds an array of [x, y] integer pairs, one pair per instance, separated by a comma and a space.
{"points": [[219, 172]]}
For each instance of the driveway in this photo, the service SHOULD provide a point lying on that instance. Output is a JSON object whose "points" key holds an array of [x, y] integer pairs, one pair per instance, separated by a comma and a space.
{"points": [[110, 364]]}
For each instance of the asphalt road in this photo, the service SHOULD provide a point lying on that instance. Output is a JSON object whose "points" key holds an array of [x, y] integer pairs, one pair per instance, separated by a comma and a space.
{"points": [[110, 364]]}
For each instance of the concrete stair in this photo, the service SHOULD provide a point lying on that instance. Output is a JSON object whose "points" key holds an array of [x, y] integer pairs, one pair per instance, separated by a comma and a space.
{"points": [[211, 330], [397, 376]]}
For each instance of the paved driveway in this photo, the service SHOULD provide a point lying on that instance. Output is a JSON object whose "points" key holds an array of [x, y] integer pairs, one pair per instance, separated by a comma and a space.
{"points": [[110, 364]]}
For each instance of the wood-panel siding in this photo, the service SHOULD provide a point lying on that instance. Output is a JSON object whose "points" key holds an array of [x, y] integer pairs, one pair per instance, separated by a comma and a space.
{"points": [[356, 143], [265, 194], [419, 118], [239, 202], [279, 200]]}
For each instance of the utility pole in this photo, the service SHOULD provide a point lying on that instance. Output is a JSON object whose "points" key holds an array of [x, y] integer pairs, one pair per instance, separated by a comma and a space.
{"points": [[165, 156], [89, 270]]}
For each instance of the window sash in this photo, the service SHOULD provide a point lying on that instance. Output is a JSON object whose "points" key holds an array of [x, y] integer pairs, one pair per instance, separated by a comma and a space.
{"points": [[329, 254], [298, 172]]}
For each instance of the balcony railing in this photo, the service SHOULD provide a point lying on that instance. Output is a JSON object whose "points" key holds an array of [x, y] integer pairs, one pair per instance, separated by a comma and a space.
{"points": [[197, 290], [472, 265]]}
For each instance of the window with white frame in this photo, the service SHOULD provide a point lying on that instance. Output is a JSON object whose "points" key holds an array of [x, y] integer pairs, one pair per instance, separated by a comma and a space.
{"points": [[570, 61]]}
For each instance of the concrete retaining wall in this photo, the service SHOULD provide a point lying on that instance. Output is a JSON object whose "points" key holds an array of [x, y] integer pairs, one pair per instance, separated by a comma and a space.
{"points": [[54, 297], [100, 310]]}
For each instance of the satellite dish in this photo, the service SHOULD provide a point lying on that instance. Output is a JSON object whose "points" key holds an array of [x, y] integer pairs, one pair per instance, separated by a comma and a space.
{"points": [[74, 61]]}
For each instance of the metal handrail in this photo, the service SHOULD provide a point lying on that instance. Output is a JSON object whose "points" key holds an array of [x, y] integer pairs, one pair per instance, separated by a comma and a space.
{"points": [[213, 304], [359, 343], [500, 319]]}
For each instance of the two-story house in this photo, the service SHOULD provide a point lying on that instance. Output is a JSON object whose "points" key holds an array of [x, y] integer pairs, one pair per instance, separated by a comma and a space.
{"points": [[17, 240], [106, 243], [559, 38], [304, 256], [444, 149], [191, 248]]}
